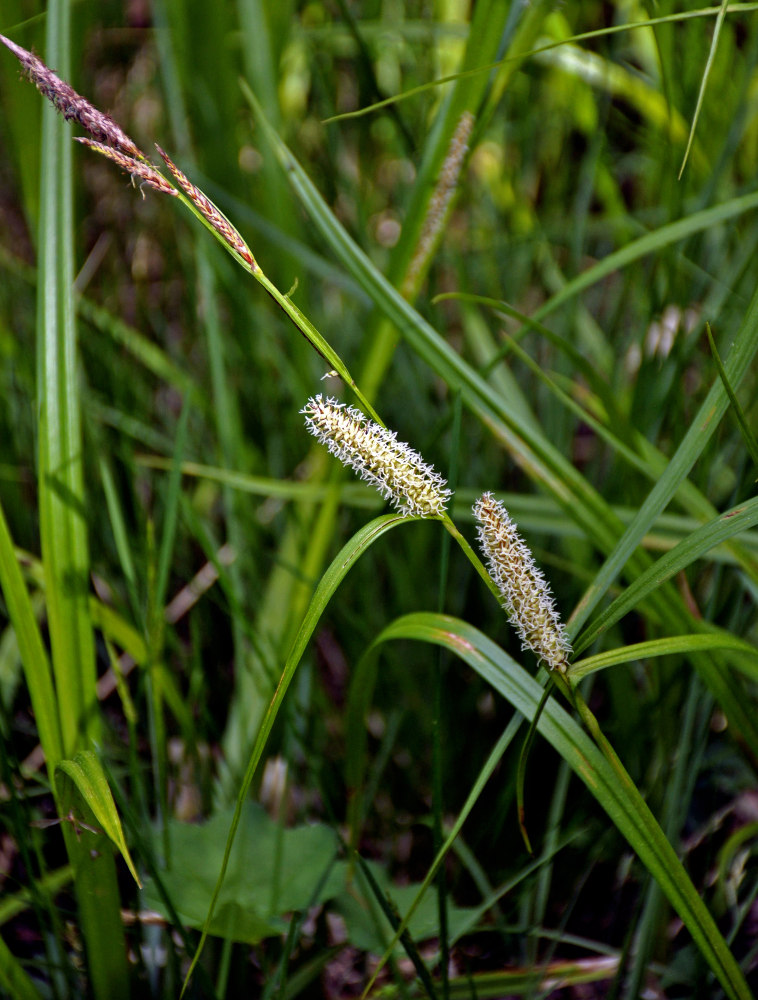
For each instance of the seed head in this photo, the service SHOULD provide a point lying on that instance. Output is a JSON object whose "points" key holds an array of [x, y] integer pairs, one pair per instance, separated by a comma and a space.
{"points": [[524, 590], [71, 105], [208, 210], [391, 466], [137, 168], [439, 203]]}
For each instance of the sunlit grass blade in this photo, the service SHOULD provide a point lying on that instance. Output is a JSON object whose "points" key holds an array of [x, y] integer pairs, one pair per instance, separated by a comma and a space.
{"points": [[86, 772], [14, 982], [621, 83]]}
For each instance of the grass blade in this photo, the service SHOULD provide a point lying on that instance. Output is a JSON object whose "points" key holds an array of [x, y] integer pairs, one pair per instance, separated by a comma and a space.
{"points": [[63, 523], [749, 438], [329, 582], [695, 546], [613, 788], [704, 82], [691, 447]]}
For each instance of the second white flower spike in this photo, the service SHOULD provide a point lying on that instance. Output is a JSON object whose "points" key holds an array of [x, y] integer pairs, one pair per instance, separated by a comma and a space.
{"points": [[524, 590]]}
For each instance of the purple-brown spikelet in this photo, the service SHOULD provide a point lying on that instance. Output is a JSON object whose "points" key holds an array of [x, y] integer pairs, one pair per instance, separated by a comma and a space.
{"points": [[137, 168], [391, 466], [73, 106], [209, 211], [524, 590]]}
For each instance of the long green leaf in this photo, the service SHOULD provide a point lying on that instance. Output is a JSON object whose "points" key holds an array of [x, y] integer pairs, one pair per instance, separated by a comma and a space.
{"points": [[34, 658], [86, 772], [652, 242], [725, 526], [616, 793], [670, 646], [14, 982], [63, 525], [334, 575], [63, 522]]}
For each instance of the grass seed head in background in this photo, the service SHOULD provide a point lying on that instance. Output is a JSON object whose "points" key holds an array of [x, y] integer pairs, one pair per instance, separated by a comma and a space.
{"points": [[525, 591], [392, 466]]}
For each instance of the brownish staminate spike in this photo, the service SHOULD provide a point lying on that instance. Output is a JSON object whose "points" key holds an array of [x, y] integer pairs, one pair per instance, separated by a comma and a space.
{"points": [[71, 105], [137, 168], [206, 207]]}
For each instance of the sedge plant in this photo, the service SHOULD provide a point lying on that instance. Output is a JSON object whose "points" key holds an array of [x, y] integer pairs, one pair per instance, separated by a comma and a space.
{"points": [[359, 439]]}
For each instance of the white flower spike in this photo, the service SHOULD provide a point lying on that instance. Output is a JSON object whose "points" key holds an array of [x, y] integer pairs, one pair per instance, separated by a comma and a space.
{"points": [[524, 590], [391, 466]]}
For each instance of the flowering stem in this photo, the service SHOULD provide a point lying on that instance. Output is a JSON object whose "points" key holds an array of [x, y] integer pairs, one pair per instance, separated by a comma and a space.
{"points": [[315, 339], [472, 557]]}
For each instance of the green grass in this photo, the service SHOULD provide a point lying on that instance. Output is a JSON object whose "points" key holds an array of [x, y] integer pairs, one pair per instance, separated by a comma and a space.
{"points": [[201, 606]]}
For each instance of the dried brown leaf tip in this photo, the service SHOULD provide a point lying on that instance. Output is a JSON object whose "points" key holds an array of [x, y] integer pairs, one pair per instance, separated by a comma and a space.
{"points": [[73, 106], [137, 168], [209, 212]]}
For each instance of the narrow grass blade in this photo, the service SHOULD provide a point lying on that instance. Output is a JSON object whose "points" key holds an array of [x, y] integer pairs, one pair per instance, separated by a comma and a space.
{"points": [[401, 929], [14, 982], [615, 791], [691, 447], [652, 242], [173, 496], [334, 575], [63, 522], [670, 646], [749, 438], [86, 772], [704, 82], [120, 533], [693, 547], [63, 525], [484, 69], [152, 357], [34, 658]]}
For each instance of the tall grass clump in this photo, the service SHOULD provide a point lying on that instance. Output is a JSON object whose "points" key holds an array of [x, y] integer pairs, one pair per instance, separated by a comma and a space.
{"points": [[509, 263]]}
